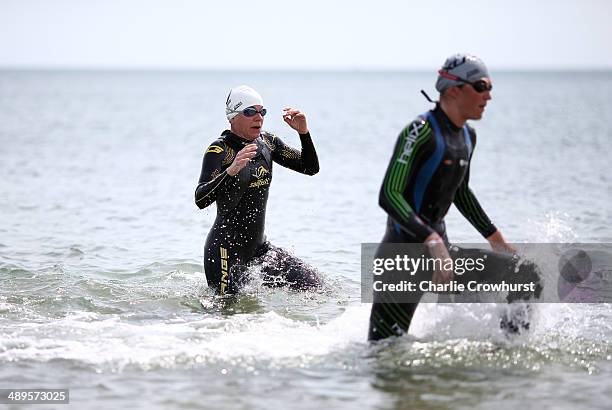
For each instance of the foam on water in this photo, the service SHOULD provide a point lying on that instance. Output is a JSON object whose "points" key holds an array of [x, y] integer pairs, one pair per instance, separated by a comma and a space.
{"points": [[170, 338], [112, 342]]}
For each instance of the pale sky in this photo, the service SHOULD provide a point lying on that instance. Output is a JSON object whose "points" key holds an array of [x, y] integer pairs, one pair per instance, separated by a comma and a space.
{"points": [[312, 34]]}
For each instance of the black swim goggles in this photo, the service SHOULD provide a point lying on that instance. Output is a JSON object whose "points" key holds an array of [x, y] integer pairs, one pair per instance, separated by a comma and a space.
{"points": [[252, 111], [479, 86]]}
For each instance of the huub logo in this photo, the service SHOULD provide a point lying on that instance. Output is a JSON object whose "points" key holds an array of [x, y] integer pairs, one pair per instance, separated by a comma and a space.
{"points": [[228, 103], [224, 269], [456, 62], [260, 172]]}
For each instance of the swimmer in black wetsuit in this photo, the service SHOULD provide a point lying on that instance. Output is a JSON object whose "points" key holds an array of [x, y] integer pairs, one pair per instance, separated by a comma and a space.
{"points": [[429, 170], [236, 173]]}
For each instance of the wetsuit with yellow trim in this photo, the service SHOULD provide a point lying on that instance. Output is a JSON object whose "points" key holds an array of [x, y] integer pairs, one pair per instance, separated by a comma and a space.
{"points": [[237, 235], [429, 170]]}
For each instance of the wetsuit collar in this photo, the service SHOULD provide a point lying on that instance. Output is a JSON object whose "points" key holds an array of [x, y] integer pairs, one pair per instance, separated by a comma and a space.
{"points": [[236, 139], [439, 112]]}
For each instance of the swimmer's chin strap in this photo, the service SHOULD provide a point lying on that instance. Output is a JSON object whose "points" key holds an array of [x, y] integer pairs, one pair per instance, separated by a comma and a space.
{"points": [[427, 97]]}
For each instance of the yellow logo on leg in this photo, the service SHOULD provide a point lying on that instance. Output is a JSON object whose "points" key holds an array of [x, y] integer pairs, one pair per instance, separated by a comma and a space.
{"points": [[224, 269]]}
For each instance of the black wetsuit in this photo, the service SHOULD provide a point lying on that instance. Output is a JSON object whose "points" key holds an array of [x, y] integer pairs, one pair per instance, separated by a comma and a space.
{"points": [[429, 170], [237, 236]]}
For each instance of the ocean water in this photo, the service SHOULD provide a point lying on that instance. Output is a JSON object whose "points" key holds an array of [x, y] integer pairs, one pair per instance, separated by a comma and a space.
{"points": [[101, 245]]}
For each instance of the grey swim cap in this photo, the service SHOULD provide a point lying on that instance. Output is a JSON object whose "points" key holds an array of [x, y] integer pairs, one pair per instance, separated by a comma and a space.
{"points": [[465, 66]]}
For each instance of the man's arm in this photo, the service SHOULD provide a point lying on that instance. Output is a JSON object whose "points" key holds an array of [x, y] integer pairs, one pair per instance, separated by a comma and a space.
{"points": [[470, 208], [498, 243], [410, 144], [413, 143]]}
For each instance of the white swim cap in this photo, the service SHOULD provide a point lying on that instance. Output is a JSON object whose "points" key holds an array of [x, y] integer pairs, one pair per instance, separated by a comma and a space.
{"points": [[240, 98]]}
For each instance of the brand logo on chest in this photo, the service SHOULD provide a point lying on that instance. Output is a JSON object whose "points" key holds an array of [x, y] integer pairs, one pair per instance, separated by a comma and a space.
{"points": [[260, 172]]}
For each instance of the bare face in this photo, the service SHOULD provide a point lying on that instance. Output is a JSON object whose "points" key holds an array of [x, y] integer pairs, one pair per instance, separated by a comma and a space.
{"points": [[247, 127], [471, 103]]}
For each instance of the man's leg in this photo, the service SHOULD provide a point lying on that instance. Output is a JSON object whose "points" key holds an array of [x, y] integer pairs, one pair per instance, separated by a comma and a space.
{"points": [[390, 319], [391, 316]]}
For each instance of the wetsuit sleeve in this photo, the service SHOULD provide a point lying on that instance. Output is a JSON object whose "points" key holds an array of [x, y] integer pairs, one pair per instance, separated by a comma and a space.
{"points": [[391, 198], [468, 205], [304, 161], [214, 180]]}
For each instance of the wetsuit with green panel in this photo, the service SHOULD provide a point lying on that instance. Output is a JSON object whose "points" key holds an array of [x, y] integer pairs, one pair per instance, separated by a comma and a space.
{"points": [[429, 171]]}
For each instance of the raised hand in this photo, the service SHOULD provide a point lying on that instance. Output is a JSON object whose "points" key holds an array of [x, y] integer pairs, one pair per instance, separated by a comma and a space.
{"points": [[242, 158], [296, 119]]}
